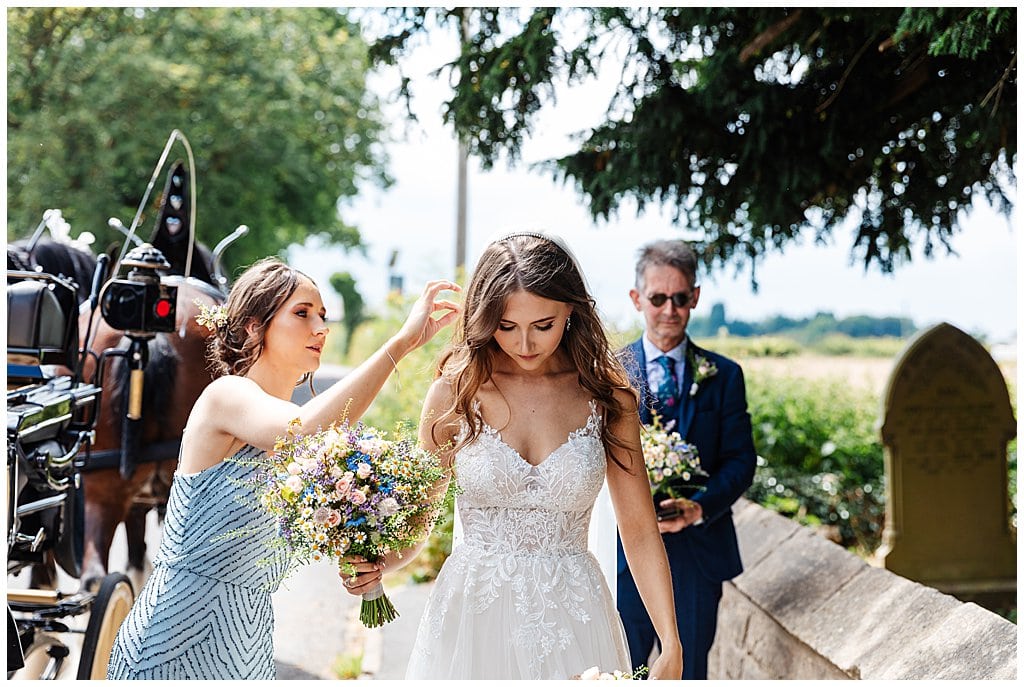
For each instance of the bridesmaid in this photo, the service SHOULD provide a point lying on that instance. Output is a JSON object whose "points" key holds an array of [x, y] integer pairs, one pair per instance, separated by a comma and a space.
{"points": [[205, 612]]}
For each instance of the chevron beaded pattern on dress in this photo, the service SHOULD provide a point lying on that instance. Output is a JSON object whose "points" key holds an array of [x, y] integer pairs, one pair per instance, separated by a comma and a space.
{"points": [[205, 612]]}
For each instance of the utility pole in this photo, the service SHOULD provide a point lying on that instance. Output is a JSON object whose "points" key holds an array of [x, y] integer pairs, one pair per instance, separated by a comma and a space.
{"points": [[460, 213], [460, 203]]}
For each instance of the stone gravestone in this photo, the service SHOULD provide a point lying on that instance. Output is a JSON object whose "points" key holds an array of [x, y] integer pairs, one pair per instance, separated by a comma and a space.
{"points": [[947, 421]]}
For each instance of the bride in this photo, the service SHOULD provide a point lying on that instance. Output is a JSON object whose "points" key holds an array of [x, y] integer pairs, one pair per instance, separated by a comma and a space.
{"points": [[534, 413]]}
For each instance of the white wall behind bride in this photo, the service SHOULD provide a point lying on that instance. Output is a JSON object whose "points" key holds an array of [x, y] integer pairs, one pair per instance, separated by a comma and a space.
{"points": [[975, 290]]}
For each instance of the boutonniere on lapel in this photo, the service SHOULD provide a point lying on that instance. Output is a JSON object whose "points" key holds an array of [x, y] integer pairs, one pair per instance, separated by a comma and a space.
{"points": [[702, 369]]}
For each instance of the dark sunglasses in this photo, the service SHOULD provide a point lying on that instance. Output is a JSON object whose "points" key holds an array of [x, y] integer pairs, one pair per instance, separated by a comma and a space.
{"points": [[680, 299]]}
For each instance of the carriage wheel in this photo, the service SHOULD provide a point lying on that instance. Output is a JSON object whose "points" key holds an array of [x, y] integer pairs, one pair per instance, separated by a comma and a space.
{"points": [[110, 607]]}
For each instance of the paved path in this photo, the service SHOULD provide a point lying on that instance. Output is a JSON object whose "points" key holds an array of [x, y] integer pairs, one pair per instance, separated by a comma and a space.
{"points": [[324, 377], [391, 645], [311, 618], [317, 627]]}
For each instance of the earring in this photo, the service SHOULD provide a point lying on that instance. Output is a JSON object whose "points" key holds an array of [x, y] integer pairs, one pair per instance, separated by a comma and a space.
{"points": [[568, 323]]}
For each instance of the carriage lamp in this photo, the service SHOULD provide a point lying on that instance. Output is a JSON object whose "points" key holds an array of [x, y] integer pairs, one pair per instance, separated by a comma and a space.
{"points": [[140, 304]]}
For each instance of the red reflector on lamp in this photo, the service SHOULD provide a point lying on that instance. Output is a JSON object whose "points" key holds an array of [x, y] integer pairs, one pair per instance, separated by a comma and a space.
{"points": [[163, 307]]}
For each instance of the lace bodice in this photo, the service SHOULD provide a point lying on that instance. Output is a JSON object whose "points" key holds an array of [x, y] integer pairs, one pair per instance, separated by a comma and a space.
{"points": [[508, 505], [521, 597]]}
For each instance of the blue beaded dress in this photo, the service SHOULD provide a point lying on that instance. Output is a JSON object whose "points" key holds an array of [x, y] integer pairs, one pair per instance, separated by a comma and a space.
{"points": [[205, 612]]}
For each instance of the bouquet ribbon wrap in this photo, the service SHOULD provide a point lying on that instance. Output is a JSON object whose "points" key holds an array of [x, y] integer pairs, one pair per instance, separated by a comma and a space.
{"points": [[376, 608]]}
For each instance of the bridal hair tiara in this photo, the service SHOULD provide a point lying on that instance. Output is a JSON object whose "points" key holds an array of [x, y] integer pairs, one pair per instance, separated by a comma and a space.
{"points": [[521, 234]]}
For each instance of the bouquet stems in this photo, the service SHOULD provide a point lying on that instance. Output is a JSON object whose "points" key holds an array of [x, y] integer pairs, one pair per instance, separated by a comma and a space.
{"points": [[376, 608]]}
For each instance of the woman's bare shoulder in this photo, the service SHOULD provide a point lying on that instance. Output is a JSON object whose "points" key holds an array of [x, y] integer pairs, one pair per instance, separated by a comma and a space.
{"points": [[439, 400], [441, 392], [229, 393]]}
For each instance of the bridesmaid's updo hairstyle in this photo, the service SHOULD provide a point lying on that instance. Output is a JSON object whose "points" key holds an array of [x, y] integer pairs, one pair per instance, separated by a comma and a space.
{"points": [[255, 298], [540, 265]]}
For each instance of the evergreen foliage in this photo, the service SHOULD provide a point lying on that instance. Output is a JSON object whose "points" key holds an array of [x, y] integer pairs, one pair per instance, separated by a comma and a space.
{"points": [[758, 126]]}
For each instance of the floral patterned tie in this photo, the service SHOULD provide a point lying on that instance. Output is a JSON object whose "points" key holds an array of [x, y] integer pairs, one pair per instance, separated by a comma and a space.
{"points": [[668, 389]]}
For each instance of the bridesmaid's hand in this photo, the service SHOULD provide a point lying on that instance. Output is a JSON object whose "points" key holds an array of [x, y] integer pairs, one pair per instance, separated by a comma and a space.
{"points": [[420, 327], [359, 575]]}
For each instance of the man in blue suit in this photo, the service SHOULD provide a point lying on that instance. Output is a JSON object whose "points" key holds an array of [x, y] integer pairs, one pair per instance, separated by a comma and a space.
{"points": [[703, 393]]}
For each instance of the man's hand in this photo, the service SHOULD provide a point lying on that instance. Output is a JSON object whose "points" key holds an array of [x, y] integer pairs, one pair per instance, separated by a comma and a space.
{"points": [[690, 513]]}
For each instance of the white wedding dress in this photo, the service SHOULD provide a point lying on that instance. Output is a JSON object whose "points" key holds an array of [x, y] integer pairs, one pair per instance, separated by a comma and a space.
{"points": [[521, 596]]}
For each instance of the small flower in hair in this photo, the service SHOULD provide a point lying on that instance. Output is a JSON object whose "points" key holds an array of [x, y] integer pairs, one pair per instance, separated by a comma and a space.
{"points": [[213, 317]]}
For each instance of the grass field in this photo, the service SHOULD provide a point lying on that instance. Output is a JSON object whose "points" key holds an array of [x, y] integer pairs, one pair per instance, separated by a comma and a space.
{"points": [[869, 373]]}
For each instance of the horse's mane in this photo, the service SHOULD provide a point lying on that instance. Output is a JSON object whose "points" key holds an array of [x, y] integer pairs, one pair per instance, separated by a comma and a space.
{"points": [[18, 258], [56, 258]]}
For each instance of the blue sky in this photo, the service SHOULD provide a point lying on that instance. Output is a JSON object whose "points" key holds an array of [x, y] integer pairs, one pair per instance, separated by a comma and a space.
{"points": [[975, 291]]}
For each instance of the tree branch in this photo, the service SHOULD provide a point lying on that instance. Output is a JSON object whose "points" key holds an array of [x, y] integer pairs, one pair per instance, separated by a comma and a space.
{"points": [[767, 36], [997, 90], [846, 74]]}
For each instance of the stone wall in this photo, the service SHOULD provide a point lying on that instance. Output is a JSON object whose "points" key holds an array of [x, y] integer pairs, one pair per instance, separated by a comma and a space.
{"points": [[806, 609]]}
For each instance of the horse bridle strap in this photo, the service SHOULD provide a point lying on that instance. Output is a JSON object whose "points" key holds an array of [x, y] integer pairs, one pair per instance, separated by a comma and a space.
{"points": [[110, 458]]}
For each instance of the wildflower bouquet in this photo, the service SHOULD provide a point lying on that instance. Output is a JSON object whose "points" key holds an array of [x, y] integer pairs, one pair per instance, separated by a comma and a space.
{"points": [[673, 466], [347, 490]]}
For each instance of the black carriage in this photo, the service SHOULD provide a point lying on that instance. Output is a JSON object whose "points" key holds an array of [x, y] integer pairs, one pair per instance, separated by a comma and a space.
{"points": [[50, 417]]}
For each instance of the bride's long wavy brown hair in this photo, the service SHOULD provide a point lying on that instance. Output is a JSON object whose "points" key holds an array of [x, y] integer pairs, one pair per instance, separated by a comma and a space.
{"points": [[540, 266]]}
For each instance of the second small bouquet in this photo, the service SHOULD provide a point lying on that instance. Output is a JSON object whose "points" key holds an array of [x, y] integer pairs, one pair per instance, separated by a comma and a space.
{"points": [[348, 490], [673, 466]]}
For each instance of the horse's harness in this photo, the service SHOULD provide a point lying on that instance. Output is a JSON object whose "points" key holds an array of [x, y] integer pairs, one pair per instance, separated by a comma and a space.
{"points": [[110, 458]]}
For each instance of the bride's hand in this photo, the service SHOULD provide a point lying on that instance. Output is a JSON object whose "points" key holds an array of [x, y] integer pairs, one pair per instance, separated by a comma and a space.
{"points": [[420, 327], [359, 575], [668, 666]]}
